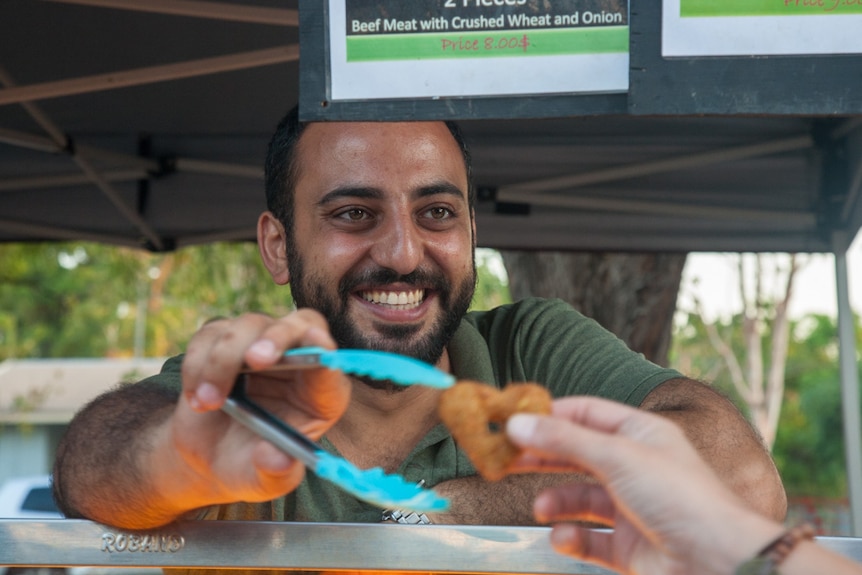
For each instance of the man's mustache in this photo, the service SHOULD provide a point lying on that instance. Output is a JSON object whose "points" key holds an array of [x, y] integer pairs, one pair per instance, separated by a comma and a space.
{"points": [[421, 278]]}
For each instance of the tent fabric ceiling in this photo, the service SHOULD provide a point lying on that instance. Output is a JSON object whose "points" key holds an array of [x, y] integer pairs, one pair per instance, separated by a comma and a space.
{"points": [[166, 163]]}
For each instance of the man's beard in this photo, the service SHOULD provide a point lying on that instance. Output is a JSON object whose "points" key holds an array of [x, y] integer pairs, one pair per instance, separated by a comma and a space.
{"points": [[309, 291]]}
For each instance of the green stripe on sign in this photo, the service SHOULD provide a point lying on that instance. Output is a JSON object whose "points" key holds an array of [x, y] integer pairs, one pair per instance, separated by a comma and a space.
{"points": [[509, 43], [701, 8]]}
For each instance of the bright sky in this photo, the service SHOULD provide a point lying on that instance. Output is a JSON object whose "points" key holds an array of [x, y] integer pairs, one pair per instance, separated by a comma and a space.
{"points": [[718, 286]]}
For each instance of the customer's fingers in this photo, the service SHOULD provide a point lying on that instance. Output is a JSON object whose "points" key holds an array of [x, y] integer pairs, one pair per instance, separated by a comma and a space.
{"points": [[555, 439], [596, 434], [575, 502], [584, 543], [535, 462]]}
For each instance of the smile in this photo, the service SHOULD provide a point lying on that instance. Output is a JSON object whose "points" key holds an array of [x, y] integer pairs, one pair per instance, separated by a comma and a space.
{"points": [[402, 299]]}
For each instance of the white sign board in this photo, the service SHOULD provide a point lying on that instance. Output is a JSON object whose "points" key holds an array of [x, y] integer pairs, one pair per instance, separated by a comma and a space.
{"points": [[387, 49], [761, 27]]}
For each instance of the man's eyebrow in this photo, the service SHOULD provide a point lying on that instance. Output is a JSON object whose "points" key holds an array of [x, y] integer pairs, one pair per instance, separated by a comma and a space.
{"points": [[360, 192], [440, 188], [350, 192]]}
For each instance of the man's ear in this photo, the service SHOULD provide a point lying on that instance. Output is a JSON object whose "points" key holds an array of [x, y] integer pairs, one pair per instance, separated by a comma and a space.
{"points": [[473, 225], [271, 241]]}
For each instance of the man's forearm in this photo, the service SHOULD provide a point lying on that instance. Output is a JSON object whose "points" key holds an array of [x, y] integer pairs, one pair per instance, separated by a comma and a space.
{"points": [[726, 441], [99, 472], [475, 501]]}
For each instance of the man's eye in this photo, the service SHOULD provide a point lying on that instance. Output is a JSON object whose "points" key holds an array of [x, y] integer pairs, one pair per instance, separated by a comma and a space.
{"points": [[439, 213], [354, 215]]}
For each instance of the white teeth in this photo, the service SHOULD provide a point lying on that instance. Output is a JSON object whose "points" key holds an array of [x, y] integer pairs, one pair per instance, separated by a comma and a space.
{"points": [[392, 298]]}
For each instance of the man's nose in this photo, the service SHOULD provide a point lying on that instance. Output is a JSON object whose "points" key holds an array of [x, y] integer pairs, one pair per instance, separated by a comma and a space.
{"points": [[399, 246]]}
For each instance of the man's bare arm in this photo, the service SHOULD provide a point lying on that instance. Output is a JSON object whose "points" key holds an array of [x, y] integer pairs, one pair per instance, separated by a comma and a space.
{"points": [[100, 469], [725, 439], [142, 456]]}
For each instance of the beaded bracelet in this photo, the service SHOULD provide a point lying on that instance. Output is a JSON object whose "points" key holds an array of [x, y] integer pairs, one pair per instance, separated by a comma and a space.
{"points": [[771, 556]]}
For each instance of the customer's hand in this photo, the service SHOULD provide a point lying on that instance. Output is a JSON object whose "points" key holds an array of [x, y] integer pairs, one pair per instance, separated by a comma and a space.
{"points": [[670, 514]]}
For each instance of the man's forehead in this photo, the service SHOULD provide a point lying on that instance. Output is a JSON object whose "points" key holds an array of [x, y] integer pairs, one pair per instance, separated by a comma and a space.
{"points": [[350, 149], [342, 130]]}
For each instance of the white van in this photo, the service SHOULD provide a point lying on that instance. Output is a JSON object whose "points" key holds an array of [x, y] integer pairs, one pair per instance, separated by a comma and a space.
{"points": [[28, 498]]}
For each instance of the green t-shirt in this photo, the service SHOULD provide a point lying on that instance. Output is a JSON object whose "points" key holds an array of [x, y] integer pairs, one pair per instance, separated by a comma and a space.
{"points": [[545, 341]]}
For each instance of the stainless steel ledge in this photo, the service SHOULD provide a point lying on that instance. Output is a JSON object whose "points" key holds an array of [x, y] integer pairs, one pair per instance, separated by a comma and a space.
{"points": [[290, 546], [301, 546]]}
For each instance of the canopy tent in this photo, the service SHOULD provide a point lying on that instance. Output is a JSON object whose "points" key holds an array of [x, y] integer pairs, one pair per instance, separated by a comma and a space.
{"points": [[145, 124]]}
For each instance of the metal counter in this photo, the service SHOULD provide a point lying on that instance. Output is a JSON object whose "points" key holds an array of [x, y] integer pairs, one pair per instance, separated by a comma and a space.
{"points": [[302, 546]]}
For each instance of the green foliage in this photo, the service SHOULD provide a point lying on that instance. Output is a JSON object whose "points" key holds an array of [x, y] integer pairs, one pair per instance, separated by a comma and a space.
{"points": [[88, 300], [37, 294], [809, 447], [492, 287]]}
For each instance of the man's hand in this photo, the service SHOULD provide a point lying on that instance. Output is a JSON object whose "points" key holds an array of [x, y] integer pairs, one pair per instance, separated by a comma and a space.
{"points": [[225, 460], [170, 457]]}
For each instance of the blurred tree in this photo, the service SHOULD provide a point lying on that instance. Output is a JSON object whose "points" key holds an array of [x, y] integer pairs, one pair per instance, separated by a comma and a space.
{"points": [[757, 374], [492, 287], [809, 444], [56, 302]]}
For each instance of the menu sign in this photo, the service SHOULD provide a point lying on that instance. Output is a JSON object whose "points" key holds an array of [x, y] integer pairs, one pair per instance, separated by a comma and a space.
{"points": [[388, 49], [761, 27]]}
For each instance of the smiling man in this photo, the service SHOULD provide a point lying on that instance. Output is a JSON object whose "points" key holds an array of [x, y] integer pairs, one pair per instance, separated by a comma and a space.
{"points": [[372, 225], [386, 207]]}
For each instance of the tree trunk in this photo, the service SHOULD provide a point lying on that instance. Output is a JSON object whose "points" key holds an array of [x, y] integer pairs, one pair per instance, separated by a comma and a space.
{"points": [[632, 295]]}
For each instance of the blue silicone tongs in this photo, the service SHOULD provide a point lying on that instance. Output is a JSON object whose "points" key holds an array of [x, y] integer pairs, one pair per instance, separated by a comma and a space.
{"points": [[371, 485], [381, 365]]}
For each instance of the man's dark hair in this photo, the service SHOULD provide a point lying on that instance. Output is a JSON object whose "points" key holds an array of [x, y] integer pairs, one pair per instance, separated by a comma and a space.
{"points": [[281, 170]]}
